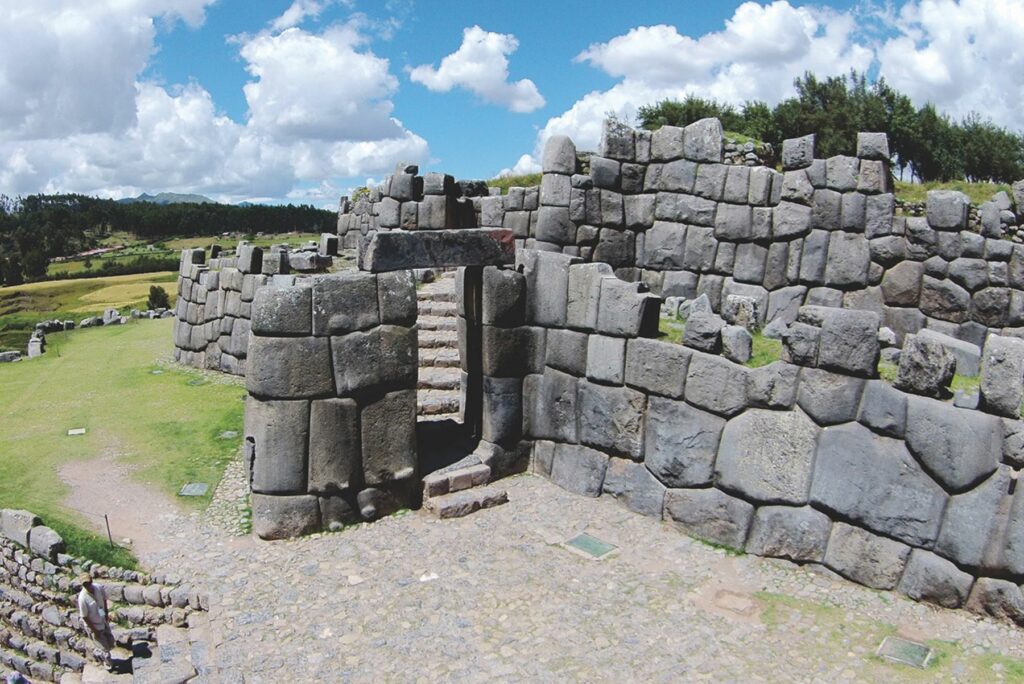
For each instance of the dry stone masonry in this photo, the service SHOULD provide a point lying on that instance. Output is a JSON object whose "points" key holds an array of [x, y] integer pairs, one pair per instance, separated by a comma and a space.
{"points": [[813, 458]]}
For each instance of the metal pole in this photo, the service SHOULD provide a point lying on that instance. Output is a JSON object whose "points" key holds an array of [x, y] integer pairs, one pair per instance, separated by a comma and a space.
{"points": [[110, 537]]}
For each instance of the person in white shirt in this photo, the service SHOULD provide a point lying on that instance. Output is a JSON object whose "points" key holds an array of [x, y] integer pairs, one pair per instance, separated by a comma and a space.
{"points": [[92, 607]]}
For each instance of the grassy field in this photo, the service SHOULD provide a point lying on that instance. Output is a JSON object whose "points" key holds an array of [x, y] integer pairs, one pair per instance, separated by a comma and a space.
{"points": [[168, 423], [506, 182], [978, 192], [22, 306]]}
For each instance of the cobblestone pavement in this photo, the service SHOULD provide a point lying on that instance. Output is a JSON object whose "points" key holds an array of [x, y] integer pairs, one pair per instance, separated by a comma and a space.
{"points": [[495, 597]]}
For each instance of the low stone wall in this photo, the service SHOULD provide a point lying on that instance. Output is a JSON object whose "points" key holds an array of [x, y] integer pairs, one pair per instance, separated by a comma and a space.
{"points": [[41, 634], [331, 416]]}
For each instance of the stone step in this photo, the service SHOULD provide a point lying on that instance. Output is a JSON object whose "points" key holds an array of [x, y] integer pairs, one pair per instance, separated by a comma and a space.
{"points": [[444, 293], [438, 417], [97, 674], [35, 670], [433, 402], [430, 307], [201, 647], [170, 662], [462, 503], [438, 338], [436, 323], [439, 357], [439, 378], [466, 474]]}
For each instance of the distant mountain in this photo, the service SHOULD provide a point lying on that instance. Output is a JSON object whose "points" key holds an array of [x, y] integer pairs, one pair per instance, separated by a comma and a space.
{"points": [[168, 198]]}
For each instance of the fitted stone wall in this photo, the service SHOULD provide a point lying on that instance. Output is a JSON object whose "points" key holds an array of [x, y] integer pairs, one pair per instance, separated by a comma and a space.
{"points": [[663, 208], [330, 422]]}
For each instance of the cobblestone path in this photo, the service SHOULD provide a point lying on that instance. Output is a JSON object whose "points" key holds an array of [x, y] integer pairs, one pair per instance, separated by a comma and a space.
{"points": [[494, 597]]}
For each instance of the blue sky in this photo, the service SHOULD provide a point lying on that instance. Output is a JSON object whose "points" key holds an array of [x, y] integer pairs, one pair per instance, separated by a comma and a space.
{"points": [[303, 100]]}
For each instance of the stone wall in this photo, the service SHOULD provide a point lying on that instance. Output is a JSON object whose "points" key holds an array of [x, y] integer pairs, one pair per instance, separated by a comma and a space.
{"points": [[331, 416], [664, 209], [41, 634]]}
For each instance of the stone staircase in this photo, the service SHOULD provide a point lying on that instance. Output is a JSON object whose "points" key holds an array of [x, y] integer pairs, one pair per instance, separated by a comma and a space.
{"points": [[462, 488], [439, 372]]}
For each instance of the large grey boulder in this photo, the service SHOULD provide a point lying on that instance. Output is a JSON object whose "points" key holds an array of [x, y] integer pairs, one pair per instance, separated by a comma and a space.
{"points": [[873, 146], [884, 409], [969, 519], [549, 402], [559, 155], [290, 367], [944, 299], [773, 386], [959, 447], [998, 598], [611, 419], [800, 344], [710, 515], [968, 356], [926, 366], [829, 398], [579, 469], [716, 384], [933, 579], [656, 367], [768, 456], [737, 343], [584, 293], [703, 331], [16, 524], [279, 431], [873, 480], [396, 297], [849, 342], [797, 533], [502, 414], [680, 442], [342, 303], [947, 209], [1002, 375], [388, 437], [282, 517], [634, 485], [702, 141], [45, 542], [865, 558], [334, 450], [798, 153]]}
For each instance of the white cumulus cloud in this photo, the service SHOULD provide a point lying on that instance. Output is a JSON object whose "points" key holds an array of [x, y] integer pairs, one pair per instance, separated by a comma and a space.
{"points": [[480, 65]]}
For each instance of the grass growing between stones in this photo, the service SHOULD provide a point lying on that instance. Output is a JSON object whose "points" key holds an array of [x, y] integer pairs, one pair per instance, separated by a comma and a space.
{"points": [[164, 422], [845, 633], [765, 350], [506, 182], [977, 192], [22, 306]]}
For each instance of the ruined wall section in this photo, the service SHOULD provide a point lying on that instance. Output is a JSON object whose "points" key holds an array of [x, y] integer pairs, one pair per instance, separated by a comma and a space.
{"points": [[814, 459], [330, 422]]}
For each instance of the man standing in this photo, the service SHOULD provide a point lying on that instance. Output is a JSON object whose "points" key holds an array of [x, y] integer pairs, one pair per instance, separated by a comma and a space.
{"points": [[92, 606]]}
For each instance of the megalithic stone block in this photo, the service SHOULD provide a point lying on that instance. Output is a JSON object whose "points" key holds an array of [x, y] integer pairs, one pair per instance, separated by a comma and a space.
{"points": [[389, 438], [335, 457], [398, 250], [279, 431], [282, 517]]}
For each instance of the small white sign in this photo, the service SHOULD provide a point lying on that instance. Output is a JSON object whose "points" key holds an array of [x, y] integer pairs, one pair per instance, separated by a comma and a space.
{"points": [[76, 431]]}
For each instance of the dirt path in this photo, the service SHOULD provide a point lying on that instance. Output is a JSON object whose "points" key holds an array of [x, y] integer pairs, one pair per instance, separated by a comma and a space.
{"points": [[104, 485]]}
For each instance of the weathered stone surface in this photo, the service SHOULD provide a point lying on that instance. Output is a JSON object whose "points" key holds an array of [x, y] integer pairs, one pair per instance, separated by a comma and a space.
{"points": [[502, 415], [388, 431], [400, 249], [990, 306], [715, 384], [282, 517], [681, 208], [606, 359], [555, 225], [967, 355], [829, 398], [579, 469], [997, 598], [826, 209], [947, 209], [584, 294], [396, 297], [768, 456], [1002, 375], [510, 352], [547, 287], [798, 153], [334, 450], [926, 366], [849, 256], [814, 257], [702, 141], [944, 299], [710, 182], [549, 403], [344, 303], [289, 367], [873, 146], [703, 331], [678, 176], [969, 519], [680, 442], [933, 579], [799, 534], [800, 344], [841, 172], [667, 143], [901, 284], [737, 343], [784, 303], [710, 514], [611, 419], [884, 409], [336, 513], [554, 188], [665, 245], [567, 351], [16, 524], [864, 557], [874, 481], [283, 311], [733, 222], [634, 485], [773, 386], [971, 274], [362, 360], [849, 342], [958, 447], [559, 155], [625, 311], [656, 367], [790, 220], [45, 542], [279, 431]]}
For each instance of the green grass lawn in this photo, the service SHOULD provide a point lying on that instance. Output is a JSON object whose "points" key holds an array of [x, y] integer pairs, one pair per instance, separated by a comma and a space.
{"points": [[506, 182], [168, 423], [22, 306], [765, 350], [978, 192]]}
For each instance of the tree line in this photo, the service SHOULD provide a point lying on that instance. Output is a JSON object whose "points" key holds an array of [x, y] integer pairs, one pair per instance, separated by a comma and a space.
{"points": [[923, 141], [38, 228]]}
